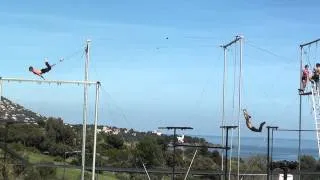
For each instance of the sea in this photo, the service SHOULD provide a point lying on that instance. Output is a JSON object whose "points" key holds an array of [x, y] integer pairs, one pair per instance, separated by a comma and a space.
{"points": [[282, 148]]}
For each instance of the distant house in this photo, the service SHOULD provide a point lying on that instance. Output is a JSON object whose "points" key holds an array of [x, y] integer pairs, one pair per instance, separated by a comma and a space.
{"points": [[116, 131], [158, 133], [180, 139], [105, 129], [126, 130]]}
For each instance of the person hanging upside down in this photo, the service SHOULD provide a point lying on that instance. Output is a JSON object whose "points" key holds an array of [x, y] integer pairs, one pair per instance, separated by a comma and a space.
{"points": [[247, 117], [42, 71]]}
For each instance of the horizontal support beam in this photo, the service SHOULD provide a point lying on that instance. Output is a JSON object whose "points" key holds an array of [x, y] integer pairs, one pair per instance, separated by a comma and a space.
{"points": [[202, 146], [228, 127], [234, 41], [127, 170], [173, 127], [297, 130], [59, 82], [169, 171], [311, 42]]}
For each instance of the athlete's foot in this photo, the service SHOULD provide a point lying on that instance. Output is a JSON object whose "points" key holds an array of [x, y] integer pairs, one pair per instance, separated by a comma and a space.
{"points": [[263, 123]]}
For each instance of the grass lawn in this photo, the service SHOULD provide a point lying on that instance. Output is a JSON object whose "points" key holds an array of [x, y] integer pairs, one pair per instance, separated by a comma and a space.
{"points": [[36, 157], [69, 174]]}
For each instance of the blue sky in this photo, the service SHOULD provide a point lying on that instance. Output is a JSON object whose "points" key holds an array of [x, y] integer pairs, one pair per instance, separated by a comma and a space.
{"points": [[156, 81]]}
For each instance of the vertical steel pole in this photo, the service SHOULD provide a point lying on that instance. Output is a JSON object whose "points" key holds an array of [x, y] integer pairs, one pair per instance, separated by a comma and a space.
{"points": [[271, 153], [95, 131], [223, 98], [226, 160], [174, 153], [239, 113], [84, 130], [300, 111], [268, 154]]}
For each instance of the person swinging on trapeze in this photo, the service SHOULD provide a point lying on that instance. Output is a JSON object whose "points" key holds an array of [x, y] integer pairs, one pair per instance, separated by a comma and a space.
{"points": [[44, 70], [247, 117]]}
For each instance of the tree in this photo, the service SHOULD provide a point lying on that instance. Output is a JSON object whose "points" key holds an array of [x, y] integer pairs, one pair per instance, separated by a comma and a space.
{"points": [[149, 151], [308, 163], [114, 141], [32, 174], [257, 163], [47, 172], [41, 123], [204, 163], [163, 142], [58, 149], [215, 155]]}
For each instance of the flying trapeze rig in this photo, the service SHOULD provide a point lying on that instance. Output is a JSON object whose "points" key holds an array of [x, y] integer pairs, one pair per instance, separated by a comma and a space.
{"points": [[236, 45], [86, 83], [309, 85]]}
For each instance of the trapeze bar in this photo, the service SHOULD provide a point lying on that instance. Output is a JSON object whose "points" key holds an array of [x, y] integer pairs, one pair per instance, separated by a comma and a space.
{"points": [[305, 94], [230, 43], [306, 44], [48, 81]]}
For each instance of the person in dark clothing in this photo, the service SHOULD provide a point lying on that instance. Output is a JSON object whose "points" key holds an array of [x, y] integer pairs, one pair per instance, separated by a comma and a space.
{"points": [[42, 71], [315, 76], [247, 117]]}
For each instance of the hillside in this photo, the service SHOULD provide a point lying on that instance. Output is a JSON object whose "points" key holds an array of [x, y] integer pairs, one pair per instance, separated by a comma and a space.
{"points": [[10, 111], [49, 140]]}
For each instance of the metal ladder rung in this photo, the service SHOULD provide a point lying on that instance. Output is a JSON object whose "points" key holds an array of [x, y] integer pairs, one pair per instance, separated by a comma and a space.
{"points": [[316, 113]]}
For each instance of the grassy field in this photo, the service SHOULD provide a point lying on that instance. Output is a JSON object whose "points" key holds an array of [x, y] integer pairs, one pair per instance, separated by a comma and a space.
{"points": [[61, 173], [37, 158]]}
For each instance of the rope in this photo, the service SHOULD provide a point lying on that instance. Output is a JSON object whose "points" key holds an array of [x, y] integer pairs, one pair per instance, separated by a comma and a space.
{"points": [[68, 57], [233, 108], [231, 150], [316, 52], [308, 56], [267, 51], [234, 75]]}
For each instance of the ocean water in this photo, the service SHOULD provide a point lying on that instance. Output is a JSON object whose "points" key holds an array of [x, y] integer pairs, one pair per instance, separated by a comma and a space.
{"points": [[283, 149]]}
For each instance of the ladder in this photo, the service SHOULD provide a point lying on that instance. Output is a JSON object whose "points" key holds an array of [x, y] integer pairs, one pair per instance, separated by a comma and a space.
{"points": [[316, 113]]}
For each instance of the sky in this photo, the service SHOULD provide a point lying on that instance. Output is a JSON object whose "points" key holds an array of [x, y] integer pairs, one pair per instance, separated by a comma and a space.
{"points": [[159, 62]]}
